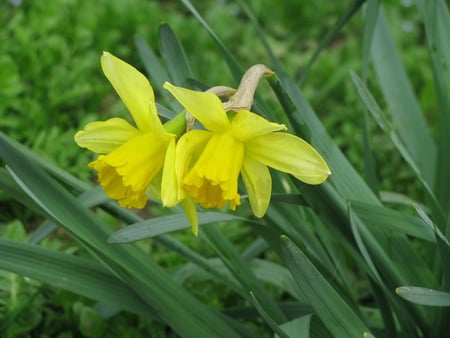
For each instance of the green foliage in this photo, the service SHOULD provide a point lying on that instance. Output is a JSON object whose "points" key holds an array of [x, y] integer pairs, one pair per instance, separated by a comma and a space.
{"points": [[339, 259]]}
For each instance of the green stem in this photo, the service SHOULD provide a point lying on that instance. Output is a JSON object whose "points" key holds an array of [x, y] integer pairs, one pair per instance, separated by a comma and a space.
{"points": [[177, 125]]}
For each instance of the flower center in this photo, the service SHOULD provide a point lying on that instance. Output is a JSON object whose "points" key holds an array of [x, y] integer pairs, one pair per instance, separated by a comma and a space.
{"points": [[213, 180], [126, 172]]}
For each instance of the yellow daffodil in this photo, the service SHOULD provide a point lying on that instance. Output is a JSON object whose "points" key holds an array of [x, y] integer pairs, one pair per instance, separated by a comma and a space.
{"points": [[208, 162], [131, 157]]}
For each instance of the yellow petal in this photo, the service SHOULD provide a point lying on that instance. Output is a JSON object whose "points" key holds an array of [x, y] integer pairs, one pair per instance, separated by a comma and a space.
{"points": [[126, 172], [258, 184], [191, 213], [246, 125], [213, 180], [205, 107], [133, 88], [170, 186], [103, 137], [188, 149], [291, 154]]}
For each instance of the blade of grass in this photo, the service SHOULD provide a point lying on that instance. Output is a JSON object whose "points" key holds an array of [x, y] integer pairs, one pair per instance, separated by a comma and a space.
{"points": [[436, 19], [424, 296], [398, 93], [271, 322], [141, 274], [229, 58], [68, 272], [174, 56], [158, 74], [165, 224], [371, 15], [351, 10], [391, 220], [239, 268], [299, 327], [336, 314], [384, 123], [12, 189]]}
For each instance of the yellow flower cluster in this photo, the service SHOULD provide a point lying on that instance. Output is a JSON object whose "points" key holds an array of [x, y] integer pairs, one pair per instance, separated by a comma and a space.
{"points": [[191, 167]]}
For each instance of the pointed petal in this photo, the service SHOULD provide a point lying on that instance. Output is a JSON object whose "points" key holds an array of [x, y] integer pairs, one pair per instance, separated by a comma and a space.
{"points": [[258, 184], [213, 180], [247, 125], [126, 173], [133, 88], [170, 186], [103, 137], [188, 150], [191, 213], [205, 107], [291, 154]]}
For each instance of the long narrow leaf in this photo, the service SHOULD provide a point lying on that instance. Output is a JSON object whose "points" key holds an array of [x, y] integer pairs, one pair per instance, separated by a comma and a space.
{"points": [[142, 274], [406, 113], [158, 74], [351, 10], [165, 224], [174, 56], [273, 325], [436, 19], [375, 216], [241, 271], [75, 274], [334, 311], [424, 296]]}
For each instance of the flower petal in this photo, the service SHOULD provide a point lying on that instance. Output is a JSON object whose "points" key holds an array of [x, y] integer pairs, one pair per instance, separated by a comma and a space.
{"points": [[189, 148], [247, 125], [133, 88], [191, 213], [170, 185], [205, 107], [103, 137], [213, 180], [258, 184], [126, 172], [291, 154]]}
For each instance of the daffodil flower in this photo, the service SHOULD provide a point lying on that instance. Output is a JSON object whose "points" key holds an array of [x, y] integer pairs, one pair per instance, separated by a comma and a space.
{"points": [[208, 162], [131, 157]]}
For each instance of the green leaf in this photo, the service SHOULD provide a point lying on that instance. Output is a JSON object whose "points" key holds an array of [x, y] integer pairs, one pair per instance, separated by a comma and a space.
{"points": [[137, 270], [431, 225], [273, 325], [298, 327], [407, 116], [276, 275], [174, 56], [351, 10], [165, 224], [156, 71], [229, 58], [436, 19], [75, 274], [385, 124], [390, 220], [239, 267], [335, 313], [424, 296], [12, 189], [371, 16]]}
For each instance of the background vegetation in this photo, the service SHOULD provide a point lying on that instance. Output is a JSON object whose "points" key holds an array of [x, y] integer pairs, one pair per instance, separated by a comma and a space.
{"points": [[51, 85]]}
